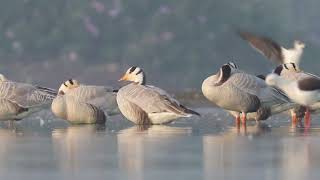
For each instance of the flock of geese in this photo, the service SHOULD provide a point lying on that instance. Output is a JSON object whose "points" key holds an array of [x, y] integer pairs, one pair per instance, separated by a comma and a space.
{"points": [[244, 95]]}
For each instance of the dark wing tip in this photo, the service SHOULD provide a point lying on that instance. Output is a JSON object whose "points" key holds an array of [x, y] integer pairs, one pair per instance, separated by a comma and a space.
{"points": [[309, 84], [261, 76], [189, 111], [47, 90]]}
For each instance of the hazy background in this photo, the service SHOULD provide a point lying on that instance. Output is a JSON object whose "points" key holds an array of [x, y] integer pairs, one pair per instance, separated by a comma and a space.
{"points": [[178, 43]]}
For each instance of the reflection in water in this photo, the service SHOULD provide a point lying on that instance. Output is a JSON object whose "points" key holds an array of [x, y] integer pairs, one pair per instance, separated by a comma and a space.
{"points": [[296, 158], [80, 149], [140, 147], [7, 137], [229, 155], [223, 156], [258, 154]]}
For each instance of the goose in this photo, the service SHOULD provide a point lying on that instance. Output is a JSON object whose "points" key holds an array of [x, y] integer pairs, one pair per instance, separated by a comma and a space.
{"points": [[83, 104], [272, 50], [303, 90], [146, 104], [291, 72], [242, 93], [18, 100], [103, 97]]}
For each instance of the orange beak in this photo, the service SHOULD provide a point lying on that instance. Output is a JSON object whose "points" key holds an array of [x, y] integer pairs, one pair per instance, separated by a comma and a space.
{"points": [[124, 78]]}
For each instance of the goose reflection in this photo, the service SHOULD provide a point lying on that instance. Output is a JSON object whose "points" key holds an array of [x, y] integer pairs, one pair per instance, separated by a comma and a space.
{"points": [[296, 156], [140, 148], [9, 141], [228, 155], [79, 148]]}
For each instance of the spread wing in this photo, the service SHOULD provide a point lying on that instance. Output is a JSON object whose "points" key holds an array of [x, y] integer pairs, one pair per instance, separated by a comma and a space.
{"points": [[264, 45]]}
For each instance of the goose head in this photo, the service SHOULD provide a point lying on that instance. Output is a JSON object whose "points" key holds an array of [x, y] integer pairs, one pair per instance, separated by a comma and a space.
{"points": [[134, 74], [68, 85], [299, 44], [272, 79], [2, 78], [287, 67], [225, 72]]}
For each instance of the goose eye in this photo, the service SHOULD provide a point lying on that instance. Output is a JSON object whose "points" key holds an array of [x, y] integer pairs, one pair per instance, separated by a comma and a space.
{"points": [[61, 93]]}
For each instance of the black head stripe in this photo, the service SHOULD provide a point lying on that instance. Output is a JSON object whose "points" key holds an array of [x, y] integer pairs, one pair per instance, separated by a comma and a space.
{"points": [[70, 81], [140, 71], [235, 65], [278, 70], [132, 69], [294, 66], [285, 66], [65, 84]]}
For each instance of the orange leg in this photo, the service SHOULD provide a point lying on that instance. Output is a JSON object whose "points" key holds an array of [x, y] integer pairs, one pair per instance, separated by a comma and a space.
{"points": [[244, 119], [307, 119], [294, 120], [238, 122]]}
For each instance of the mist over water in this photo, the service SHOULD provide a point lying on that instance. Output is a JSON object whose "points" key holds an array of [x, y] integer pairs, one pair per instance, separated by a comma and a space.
{"points": [[178, 44], [95, 41]]}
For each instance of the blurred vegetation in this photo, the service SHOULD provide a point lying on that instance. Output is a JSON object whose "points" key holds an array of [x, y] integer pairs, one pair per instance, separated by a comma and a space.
{"points": [[174, 41]]}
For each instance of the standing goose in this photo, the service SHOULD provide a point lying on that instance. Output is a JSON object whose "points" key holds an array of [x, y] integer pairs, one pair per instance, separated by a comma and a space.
{"points": [[82, 104], [304, 90], [240, 92], [145, 104], [272, 50], [18, 100], [291, 72]]}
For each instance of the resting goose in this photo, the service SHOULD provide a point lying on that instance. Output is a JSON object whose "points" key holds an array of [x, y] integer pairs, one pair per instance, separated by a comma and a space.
{"points": [[82, 104], [237, 91], [145, 104], [103, 97], [272, 50], [18, 100]]}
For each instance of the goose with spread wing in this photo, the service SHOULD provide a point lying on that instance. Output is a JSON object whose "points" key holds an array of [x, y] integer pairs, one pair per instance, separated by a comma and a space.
{"points": [[299, 85], [272, 50]]}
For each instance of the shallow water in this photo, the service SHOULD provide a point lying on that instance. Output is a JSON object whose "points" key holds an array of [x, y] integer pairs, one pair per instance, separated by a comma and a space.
{"points": [[200, 148]]}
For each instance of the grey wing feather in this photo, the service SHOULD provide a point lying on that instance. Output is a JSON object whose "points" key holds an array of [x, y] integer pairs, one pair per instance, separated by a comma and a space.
{"points": [[257, 87], [26, 95], [266, 46], [153, 100], [100, 96], [247, 83]]}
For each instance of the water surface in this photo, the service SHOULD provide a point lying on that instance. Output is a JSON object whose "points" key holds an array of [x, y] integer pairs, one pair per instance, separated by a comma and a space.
{"points": [[200, 148]]}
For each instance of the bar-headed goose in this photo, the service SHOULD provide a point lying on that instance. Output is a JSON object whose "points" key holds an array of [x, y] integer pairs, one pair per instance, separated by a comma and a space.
{"points": [[291, 72], [272, 50], [103, 97], [82, 104], [18, 100], [145, 104], [304, 91], [237, 91]]}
